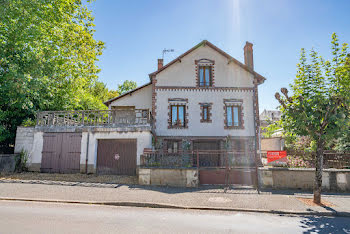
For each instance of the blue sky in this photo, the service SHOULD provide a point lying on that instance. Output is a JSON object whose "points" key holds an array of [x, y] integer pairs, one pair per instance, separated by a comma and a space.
{"points": [[136, 32]]}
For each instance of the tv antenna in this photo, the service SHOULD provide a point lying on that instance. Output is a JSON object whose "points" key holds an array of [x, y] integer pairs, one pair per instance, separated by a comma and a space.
{"points": [[166, 51]]}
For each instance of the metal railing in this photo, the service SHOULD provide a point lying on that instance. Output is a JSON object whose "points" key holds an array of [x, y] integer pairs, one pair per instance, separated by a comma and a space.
{"points": [[331, 159], [94, 118], [198, 159]]}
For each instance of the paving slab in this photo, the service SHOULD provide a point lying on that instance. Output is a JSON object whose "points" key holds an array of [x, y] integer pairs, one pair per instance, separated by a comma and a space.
{"points": [[206, 197]]}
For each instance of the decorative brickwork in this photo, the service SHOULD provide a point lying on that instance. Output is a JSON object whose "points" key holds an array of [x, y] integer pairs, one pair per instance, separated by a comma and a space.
{"points": [[234, 103], [207, 89], [205, 62], [154, 106], [177, 101], [256, 122], [209, 114]]}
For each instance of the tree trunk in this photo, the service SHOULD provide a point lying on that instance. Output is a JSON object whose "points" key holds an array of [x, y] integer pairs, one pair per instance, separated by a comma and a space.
{"points": [[318, 172]]}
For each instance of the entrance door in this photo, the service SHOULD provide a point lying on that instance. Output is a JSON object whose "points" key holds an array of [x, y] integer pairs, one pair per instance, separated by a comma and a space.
{"points": [[61, 153], [116, 156]]}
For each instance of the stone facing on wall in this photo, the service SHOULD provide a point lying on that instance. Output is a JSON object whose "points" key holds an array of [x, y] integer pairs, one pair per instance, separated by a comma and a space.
{"points": [[169, 177], [303, 178]]}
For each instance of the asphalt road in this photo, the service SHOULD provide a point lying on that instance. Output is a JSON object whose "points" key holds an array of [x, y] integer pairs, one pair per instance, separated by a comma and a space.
{"points": [[34, 217]]}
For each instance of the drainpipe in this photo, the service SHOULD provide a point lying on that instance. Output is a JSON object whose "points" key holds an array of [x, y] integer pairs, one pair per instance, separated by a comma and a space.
{"points": [[87, 153]]}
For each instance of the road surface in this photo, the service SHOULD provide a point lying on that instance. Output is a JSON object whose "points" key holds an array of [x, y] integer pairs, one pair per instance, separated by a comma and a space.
{"points": [[35, 217]]}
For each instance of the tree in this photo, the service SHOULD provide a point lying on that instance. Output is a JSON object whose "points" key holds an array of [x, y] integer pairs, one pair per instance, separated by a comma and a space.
{"points": [[319, 105], [126, 87], [48, 60]]}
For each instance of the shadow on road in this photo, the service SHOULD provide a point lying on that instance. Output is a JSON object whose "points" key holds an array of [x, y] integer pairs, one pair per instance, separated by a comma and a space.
{"points": [[318, 224]]}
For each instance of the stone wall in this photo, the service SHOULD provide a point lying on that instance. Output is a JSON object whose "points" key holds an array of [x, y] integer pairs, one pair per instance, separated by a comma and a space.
{"points": [[168, 177], [272, 144], [7, 163], [303, 178]]}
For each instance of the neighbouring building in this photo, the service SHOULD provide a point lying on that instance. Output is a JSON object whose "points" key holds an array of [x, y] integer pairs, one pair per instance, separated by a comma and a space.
{"points": [[200, 99], [269, 116]]}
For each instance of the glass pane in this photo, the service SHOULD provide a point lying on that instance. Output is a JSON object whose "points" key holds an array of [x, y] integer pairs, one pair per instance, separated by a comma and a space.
{"points": [[174, 114], [201, 76], [205, 113], [229, 115], [235, 116], [207, 76], [175, 147], [181, 115]]}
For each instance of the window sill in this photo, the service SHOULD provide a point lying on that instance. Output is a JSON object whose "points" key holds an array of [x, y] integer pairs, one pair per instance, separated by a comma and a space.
{"points": [[234, 127]]}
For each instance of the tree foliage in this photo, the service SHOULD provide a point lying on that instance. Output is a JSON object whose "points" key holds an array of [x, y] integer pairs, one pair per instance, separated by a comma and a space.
{"points": [[48, 60], [126, 86], [319, 104]]}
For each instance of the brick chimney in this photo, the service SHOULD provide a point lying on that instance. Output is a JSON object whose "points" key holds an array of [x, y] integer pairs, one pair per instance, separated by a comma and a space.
{"points": [[248, 55], [160, 63]]}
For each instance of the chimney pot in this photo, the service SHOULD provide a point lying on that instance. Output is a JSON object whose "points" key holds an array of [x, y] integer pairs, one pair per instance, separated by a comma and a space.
{"points": [[160, 63], [248, 55]]}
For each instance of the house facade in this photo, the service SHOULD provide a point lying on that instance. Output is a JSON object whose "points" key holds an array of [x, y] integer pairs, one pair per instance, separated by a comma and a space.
{"points": [[203, 100], [200, 99]]}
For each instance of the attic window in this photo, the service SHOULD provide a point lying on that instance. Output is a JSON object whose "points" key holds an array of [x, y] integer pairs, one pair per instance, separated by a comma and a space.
{"points": [[205, 79], [205, 72]]}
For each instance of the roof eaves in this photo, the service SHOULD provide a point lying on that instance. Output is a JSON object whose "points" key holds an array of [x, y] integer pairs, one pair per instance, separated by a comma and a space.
{"points": [[124, 94]]}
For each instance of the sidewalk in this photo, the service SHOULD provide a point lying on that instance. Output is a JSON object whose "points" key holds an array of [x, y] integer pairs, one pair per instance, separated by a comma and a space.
{"points": [[286, 202]]}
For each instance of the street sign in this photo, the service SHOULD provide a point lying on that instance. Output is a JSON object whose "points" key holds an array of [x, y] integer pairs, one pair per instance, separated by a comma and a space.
{"points": [[277, 156]]}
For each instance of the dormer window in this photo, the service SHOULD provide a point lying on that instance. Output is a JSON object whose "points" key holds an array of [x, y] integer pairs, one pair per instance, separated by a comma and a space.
{"points": [[205, 79], [205, 73]]}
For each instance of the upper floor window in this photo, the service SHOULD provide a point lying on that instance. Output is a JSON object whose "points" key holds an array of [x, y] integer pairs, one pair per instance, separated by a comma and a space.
{"points": [[205, 112], [178, 115], [205, 79], [233, 114], [205, 72]]}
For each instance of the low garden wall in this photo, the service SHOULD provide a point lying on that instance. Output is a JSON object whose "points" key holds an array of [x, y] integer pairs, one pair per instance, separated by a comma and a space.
{"points": [[7, 163], [179, 177], [303, 178]]}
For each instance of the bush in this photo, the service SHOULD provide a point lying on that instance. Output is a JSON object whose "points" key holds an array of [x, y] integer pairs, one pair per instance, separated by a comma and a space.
{"points": [[21, 162], [28, 123]]}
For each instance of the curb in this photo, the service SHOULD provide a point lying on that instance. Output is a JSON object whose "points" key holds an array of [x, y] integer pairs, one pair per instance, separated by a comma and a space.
{"points": [[169, 206]]}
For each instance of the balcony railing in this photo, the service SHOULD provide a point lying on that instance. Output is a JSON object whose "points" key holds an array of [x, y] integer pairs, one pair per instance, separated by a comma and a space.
{"points": [[94, 118]]}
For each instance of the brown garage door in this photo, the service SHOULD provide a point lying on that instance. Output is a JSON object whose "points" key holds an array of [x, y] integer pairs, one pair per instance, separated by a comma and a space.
{"points": [[116, 156], [61, 153]]}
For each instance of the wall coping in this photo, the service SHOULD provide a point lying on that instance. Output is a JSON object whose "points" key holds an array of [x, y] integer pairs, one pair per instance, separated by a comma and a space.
{"points": [[300, 169], [169, 168], [93, 129]]}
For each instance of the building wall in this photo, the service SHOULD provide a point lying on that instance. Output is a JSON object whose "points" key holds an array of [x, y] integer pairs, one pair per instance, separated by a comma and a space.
{"points": [[141, 99], [230, 82], [271, 144], [34, 147], [195, 127], [24, 139], [226, 75]]}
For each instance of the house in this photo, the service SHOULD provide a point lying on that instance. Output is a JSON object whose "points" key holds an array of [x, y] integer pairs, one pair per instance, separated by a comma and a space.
{"points": [[201, 99], [202, 96], [269, 116]]}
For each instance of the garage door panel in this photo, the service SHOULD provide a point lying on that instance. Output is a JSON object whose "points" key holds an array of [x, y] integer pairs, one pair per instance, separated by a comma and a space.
{"points": [[51, 152], [116, 156], [71, 147], [61, 153]]}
